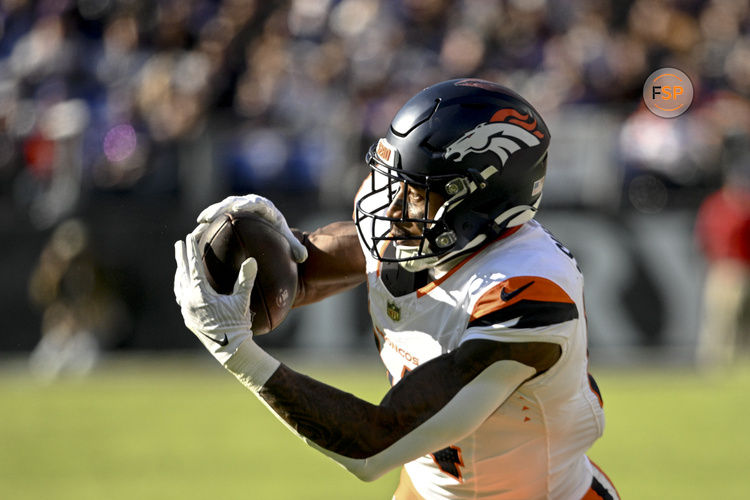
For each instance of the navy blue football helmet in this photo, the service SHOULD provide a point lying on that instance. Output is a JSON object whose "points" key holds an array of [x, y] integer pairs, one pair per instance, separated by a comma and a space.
{"points": [[479, 145]]}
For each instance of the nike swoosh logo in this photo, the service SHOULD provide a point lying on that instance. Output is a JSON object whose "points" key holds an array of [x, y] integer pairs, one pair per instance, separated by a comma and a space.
{"points": [[505, 296], [221, 342]]}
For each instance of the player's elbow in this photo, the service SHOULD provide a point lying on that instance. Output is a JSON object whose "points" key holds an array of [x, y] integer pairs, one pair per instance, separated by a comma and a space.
{"points": [[366, 473], [367, 476]]}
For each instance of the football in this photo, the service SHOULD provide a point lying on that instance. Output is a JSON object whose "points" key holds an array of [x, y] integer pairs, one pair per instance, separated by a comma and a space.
{"points": [[228, 242]]}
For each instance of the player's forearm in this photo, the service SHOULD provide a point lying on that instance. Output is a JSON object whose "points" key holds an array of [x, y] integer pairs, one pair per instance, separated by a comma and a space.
{"points": [[423, 413], [335, 262]]}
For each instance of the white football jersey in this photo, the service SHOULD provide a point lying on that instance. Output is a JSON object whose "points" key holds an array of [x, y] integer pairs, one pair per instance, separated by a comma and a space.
{"points": [[525, 287]]}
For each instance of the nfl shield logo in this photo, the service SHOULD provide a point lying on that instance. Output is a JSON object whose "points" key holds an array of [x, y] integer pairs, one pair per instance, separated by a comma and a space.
{"points": [[393, 311]]}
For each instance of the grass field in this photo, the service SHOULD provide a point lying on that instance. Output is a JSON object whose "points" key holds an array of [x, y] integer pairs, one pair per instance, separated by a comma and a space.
{"points": [[181, 428]]}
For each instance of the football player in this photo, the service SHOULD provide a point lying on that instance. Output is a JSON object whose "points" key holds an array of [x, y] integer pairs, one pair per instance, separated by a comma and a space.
{"points": [[477, 311]]}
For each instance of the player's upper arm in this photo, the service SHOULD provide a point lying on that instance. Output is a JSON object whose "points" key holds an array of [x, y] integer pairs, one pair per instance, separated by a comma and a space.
{"points": [[335, 262], [540, 356]]}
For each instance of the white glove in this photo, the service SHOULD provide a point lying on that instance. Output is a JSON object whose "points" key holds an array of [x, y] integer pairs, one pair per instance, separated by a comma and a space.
{"points": [[253, 203], [221, 322]]}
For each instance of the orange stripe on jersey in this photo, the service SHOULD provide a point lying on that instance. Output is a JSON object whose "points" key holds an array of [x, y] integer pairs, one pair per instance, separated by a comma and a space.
{"points": [[434, 284], [516, 289]]}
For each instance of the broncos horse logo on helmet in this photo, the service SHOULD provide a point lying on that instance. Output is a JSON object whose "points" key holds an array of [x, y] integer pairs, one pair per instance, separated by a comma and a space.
{"points": [[479, 145], [497, 136]]}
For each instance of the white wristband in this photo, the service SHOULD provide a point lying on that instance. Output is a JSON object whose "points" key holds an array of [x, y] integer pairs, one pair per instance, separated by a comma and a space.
{"points": [[252, 365]]}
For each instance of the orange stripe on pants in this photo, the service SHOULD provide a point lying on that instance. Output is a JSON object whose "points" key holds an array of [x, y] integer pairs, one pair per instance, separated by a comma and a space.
{"points": [[591, 495], [601, 482]]}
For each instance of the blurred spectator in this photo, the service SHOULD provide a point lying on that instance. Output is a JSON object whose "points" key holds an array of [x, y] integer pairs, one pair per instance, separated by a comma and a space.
{"points": [[723, 232], [81, 311], [665, 161], [52, 183]]}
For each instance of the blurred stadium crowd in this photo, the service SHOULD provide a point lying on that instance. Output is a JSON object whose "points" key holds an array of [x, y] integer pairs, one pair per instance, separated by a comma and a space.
{"points": [[107, 91], [180, 102]]}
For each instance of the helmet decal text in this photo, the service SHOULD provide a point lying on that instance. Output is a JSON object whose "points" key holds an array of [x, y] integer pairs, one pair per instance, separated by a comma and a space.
{"points": [[386, 152]]}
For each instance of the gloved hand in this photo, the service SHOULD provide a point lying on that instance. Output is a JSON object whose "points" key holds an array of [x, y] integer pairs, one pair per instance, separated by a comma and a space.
{"points": [[253, 203], [221, 322]]}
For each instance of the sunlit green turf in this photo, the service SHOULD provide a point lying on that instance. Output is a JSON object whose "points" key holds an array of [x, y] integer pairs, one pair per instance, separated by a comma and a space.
{"points": [[174, 428], [181, 429], [676, 434]]}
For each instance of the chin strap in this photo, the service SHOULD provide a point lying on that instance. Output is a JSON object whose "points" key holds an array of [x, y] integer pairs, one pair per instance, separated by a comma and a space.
{"points": [[408, 259], [445, 262], [416, 265]]}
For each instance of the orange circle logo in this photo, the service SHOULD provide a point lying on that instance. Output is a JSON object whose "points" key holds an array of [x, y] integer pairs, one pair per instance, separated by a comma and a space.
{"points": [[668, 92]]}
